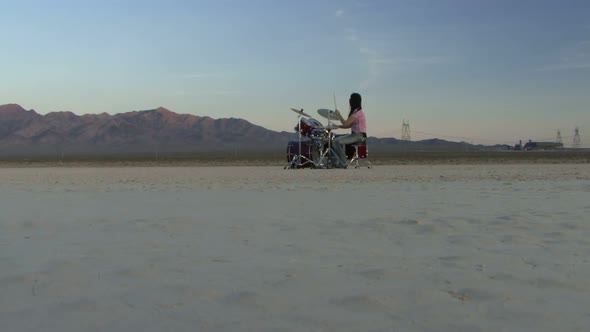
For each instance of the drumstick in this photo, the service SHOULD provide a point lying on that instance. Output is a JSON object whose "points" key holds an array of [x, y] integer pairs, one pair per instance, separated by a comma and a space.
{"points": [[335, 107]]}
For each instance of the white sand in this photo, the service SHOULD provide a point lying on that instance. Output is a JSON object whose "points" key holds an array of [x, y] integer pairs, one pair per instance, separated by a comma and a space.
{"points": [[394, 248]]}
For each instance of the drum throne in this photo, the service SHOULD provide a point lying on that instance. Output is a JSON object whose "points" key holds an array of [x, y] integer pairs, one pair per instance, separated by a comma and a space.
{"points": [[358, 154]]}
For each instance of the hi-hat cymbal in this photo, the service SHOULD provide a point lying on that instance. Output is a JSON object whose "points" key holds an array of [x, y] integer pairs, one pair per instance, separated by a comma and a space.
{"points": [[328, 114], [300, 112]]}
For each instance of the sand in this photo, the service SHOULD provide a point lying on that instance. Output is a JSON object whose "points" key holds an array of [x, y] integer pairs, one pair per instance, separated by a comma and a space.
{"points": [[393, 248]]}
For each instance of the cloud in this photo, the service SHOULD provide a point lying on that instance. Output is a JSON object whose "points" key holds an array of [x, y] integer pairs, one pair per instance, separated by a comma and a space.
{"points": [[375, 68], [368, 51], [222, 92], [377, 64], [203, 75], [401, 61], [565, 66], [204, 93], [351, 34], [574, 57]]}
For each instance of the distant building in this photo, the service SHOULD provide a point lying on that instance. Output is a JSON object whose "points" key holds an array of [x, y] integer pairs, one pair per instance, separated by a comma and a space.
{"points": [[530, 145]]}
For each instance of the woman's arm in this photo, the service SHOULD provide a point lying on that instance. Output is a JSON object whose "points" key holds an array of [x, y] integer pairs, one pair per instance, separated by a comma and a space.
{"points": [[340, 116], [345, 123]]}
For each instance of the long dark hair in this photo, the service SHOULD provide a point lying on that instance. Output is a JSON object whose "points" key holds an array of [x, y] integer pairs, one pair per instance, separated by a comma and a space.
{"points": [[355, 102]]}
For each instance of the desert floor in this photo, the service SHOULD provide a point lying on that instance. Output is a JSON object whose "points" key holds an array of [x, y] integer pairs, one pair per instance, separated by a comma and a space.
{"points": [[492, 247]]}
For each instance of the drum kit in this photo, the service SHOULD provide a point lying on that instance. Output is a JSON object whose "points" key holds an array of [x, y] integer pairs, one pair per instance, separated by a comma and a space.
{"points": [[313, 148]]}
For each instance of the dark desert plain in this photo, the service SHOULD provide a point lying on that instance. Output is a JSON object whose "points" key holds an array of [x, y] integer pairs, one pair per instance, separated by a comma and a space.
{"points": [[380, 155]]}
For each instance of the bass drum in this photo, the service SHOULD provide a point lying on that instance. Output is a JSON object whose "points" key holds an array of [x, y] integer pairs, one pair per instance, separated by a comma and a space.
{"points": [[309, 153]]}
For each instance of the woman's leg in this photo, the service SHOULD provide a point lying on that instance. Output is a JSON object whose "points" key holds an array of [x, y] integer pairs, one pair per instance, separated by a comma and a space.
{"points": [[338, 146]]}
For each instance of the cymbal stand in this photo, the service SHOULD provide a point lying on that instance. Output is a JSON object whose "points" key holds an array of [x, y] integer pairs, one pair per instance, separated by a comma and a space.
{"points": [[297, 159], [330, 125], [324, 157], [329, 133]]}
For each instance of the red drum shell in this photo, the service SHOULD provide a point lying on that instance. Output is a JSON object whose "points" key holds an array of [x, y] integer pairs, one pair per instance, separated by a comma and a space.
{"points": [[308, 126]]}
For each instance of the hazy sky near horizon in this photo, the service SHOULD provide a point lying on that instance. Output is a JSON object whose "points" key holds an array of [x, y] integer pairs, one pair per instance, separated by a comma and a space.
{"points": [[481, 71]]}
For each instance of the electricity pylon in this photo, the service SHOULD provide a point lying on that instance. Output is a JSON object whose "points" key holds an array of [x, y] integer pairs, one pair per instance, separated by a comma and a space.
{"points": [[576, 142], [558, 139], [406, 131]]}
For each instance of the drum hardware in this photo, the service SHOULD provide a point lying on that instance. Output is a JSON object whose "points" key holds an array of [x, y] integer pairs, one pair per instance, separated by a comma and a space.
{"points": [[312, 147], [324, 144], [308, 151], [330, 115], [308, 127], [298, 160], [357, 152], [316, 150]]}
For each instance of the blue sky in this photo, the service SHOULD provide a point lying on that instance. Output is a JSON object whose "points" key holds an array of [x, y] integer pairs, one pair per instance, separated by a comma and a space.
{"points": [[481, 71]]}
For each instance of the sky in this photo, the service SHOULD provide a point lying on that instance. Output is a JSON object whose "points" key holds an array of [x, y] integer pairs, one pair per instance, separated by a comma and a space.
{"points": [[484, 72]]}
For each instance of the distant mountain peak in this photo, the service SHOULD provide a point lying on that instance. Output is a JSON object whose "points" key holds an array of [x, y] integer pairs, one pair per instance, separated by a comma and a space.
{"points": [[65, 114], [12, 109], [166, 114], [163, 110]]}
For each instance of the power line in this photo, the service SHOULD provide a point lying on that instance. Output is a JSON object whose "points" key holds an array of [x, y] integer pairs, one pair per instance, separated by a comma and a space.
{"points": [[406, 136], [460, 137]]}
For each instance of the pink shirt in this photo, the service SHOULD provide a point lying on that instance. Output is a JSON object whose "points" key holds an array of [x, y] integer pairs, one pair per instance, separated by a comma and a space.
{"points": [[360, 124]]}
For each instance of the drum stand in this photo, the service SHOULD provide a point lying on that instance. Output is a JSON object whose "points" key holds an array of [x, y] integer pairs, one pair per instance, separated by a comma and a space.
{"points": [[329, 138], [324, 157], [297, 161]]}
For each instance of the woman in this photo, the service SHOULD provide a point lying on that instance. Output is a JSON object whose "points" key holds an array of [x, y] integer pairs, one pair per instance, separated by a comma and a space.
{"points": [[358, 125]]}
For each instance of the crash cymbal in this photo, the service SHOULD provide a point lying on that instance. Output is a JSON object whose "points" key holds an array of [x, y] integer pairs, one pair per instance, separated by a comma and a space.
{"points": [[300, 112], [328, 114]]}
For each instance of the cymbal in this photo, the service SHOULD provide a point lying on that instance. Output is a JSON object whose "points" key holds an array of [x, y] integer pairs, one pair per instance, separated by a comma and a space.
{"points": [[300, 112], [328, 114]]}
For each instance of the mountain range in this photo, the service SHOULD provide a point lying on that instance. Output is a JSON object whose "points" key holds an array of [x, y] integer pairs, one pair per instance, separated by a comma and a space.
{"points": [[25, 132]]}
